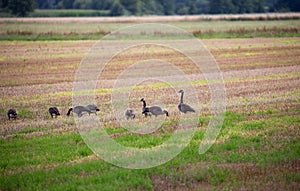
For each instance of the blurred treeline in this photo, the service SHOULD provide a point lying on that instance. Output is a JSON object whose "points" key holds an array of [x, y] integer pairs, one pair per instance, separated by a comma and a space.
{"points": [[155, 7]]}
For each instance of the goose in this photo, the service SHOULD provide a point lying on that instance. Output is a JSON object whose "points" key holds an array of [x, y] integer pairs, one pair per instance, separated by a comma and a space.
{"points": [[184, 108], [93, 108], [154, 110], [129, 114], [53, 112], [79, 110], [11, 113]]}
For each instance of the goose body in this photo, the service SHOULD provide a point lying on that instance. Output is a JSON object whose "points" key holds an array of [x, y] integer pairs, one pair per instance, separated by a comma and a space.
{"points": [[79, 110], [93, 108], [156, 110], [11, 113], [53, 112]]}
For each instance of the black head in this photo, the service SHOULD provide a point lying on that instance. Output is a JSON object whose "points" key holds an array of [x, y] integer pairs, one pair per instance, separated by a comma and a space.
{"points": [[142, 99], [180, 91]]}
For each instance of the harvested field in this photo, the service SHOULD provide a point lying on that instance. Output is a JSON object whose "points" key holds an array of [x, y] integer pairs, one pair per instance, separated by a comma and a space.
{"points": [[35, 29], [257, 149]]}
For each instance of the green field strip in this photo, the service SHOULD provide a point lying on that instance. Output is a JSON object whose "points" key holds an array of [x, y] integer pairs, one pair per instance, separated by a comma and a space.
{"points": [[67, 161]]}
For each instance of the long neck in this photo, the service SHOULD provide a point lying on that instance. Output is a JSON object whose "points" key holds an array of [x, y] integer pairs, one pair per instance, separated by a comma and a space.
{"points": [[181, 98], [69, 112], [144, 103]]}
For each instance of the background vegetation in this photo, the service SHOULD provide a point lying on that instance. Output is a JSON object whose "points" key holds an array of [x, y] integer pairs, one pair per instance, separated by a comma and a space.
{"points": [[149, 7]]}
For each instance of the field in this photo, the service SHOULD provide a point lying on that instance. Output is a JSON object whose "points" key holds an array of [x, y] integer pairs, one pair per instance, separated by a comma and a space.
{"points": [[34, 29], [258, 147]]}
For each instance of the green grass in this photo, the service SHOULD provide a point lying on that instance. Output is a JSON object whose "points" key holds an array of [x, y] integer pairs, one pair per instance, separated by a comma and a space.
{"points": [[25, 113], [45, 150], [142, 141], [31, 130], [63, 161]]}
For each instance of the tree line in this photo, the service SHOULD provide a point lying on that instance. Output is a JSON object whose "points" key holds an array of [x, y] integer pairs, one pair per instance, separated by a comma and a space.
{"points": [[155, 7]]}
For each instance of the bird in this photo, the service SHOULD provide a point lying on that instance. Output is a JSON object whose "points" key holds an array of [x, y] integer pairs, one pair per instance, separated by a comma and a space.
{"points": [[153, 110], [53, 112], [129, 114], [145, 109], [79, 110], [184, 108], [11, 113], [93, 108]]}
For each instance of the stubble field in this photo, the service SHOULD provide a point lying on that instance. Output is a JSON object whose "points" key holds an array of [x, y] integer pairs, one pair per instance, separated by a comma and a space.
{"points": [[257, 149]]}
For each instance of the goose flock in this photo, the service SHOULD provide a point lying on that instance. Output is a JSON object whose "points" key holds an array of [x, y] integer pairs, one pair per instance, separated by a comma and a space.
{"points": [[129, 113]]}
